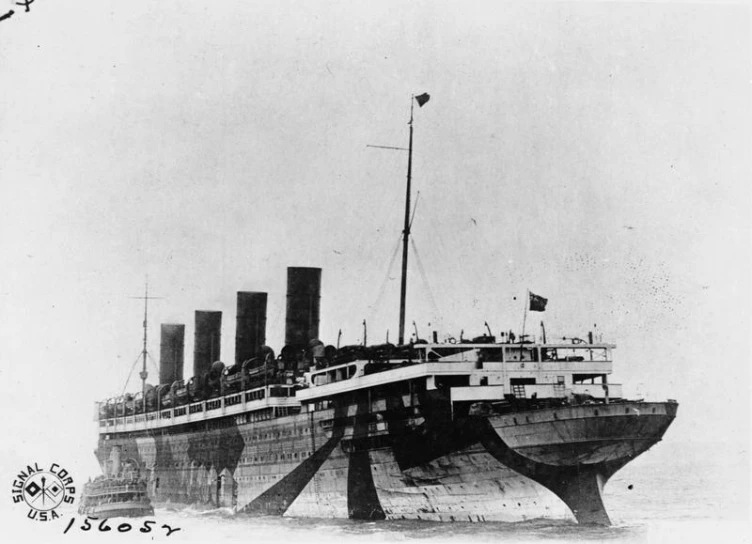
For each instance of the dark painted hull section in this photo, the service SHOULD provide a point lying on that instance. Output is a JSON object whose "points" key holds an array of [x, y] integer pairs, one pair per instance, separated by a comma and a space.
{"points": [[278, 498], [362, 498]]}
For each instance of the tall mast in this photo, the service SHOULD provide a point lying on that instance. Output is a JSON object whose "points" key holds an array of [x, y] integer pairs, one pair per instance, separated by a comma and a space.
{"points": [[144, 373], [406, 232], [144, 353], [421, 100]]}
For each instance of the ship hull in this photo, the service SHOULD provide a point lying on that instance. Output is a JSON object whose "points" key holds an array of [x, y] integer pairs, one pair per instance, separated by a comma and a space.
{"points": [[121, 510], [523, 465], [574, 451]]}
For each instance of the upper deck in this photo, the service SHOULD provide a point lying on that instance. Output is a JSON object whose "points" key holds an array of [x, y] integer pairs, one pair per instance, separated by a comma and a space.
{"points": [[485, 365], [111, 487], [480, 371]]}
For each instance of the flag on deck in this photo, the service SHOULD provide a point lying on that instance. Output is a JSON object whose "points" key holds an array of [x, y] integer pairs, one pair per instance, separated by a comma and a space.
{"points": [[537, 303]]}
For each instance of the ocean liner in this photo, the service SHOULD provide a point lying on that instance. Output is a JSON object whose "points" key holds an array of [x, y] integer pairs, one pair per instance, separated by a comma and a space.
{"points": [[494, 428]]}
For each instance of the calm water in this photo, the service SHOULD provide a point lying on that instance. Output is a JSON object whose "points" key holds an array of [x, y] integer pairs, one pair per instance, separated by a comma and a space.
{"points": [[679, 493]]}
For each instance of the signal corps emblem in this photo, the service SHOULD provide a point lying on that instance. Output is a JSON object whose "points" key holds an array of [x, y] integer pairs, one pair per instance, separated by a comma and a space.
{"points": [[43, 490]]}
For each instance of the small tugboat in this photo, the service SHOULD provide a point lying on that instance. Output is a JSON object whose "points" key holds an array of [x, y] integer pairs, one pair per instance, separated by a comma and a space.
{"points": [[116, 494], [115, 498]]}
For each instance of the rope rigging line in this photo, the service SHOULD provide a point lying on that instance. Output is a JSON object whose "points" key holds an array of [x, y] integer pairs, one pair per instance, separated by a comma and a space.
{"points": [[131, 373], [415, 209], [153, 362], [382, 289], [424, 277]]}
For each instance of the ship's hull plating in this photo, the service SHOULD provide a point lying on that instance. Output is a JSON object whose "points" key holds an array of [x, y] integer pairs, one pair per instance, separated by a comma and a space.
{"points": [[118, 510], [544, 463]]}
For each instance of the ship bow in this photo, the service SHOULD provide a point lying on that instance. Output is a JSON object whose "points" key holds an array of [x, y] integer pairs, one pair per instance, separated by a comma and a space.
{"points": [[574, 450]]}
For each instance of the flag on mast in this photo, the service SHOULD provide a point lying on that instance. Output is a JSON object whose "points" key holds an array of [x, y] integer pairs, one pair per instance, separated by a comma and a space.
{"points": [[537, 303], [422, 99]]}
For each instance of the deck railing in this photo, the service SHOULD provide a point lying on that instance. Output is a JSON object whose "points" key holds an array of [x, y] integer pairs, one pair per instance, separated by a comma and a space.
{"points": [[235, 404]]}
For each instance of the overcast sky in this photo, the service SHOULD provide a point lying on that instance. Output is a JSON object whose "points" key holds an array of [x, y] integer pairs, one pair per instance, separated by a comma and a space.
{"points": [[594, 153]]}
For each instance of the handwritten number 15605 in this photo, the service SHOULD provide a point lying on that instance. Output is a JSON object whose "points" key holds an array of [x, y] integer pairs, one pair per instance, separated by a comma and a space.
{"points": [[122, 528]]}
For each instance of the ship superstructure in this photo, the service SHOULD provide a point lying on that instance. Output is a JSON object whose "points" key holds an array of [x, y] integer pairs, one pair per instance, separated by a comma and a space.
{"points": [[497, 427]]}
